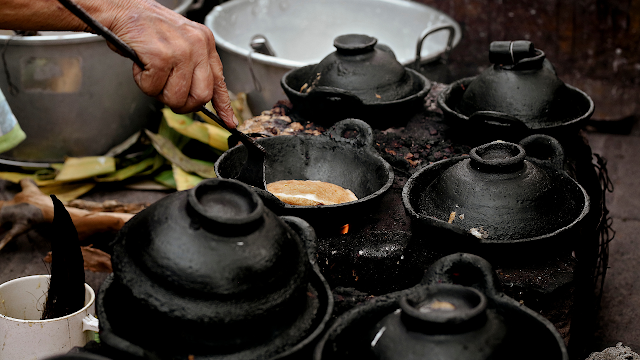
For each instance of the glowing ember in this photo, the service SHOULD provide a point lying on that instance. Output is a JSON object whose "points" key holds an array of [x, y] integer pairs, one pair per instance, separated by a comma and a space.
{"points": [[344, 229]]}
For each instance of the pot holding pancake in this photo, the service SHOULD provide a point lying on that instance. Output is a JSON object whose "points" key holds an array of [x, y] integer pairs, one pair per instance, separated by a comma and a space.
{"points": [[343, 156]]}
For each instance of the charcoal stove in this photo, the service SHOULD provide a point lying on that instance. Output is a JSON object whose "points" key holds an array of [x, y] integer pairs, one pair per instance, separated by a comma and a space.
{"points": [[377, 255]]}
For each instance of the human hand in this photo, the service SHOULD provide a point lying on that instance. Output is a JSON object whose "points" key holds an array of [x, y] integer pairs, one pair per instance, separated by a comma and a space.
{"points": [[182, 67]]}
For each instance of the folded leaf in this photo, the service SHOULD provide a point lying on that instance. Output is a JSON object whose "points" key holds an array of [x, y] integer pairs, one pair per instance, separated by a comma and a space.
{"points": [[166, 178], [67, 192], [128, 171], [167, 149], [212, 135], [86, 167], [184, 180], [16, 177]]}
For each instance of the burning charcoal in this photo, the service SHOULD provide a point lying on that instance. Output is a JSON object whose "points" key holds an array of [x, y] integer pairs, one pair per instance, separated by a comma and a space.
{"points": [[66, 287]]}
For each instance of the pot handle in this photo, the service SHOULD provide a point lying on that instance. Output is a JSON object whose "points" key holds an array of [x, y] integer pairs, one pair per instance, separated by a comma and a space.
{"points": [[327, 94], [363, 133], [544, 149], [499, 121], [463, 269], [307, 235], [428, 31]]}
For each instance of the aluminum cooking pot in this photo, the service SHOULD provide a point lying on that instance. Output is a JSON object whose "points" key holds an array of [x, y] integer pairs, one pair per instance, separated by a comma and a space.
{"points": [[67, 102], [301, 33], [351, 163]]}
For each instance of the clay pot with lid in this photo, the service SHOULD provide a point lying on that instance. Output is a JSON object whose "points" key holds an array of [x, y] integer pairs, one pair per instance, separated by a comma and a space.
{"points": [[503, 198], [215, 274], [361, 79], [455, 313], [519, 94], [443, 322]]}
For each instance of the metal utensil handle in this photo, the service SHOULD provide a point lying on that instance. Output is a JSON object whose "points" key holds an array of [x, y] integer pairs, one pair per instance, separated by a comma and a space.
{"points": [[131, 54], [429, 31]]}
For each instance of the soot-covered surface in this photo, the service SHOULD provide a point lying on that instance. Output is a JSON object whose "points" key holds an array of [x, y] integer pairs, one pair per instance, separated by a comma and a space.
{"points": [[378, 256]]}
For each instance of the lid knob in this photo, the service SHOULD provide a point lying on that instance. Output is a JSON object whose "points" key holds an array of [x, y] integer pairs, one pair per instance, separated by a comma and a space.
{"points": [[354, 43], [227, 207], [498, 157], [510, 52]]}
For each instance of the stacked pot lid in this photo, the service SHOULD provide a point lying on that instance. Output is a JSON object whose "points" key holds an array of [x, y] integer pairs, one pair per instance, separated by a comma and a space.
{"points": [[211, 272], [519, 91], [361, 79]]}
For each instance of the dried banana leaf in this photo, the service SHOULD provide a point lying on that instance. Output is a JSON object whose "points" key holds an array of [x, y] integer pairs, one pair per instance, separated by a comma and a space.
{"points": [[167, 149], [166, 178], [15, 177], [206, 133], [86, 167], [67, 191], [128, 171], [184, 180]]}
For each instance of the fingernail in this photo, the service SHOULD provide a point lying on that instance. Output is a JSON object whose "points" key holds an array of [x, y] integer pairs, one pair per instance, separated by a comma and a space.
{"points": [[235, 121]]}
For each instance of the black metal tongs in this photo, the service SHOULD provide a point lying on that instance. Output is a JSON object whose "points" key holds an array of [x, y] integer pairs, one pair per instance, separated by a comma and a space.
{"points": [[252, 172]]}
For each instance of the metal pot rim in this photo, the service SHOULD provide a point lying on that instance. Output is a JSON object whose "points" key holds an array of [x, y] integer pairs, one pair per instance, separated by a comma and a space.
{"points": [[71, 37], [292, 64]]}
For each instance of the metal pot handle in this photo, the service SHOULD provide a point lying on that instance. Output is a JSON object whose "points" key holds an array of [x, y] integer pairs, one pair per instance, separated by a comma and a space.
{"points": [[428, 31], [363, 136], [544, 149]]}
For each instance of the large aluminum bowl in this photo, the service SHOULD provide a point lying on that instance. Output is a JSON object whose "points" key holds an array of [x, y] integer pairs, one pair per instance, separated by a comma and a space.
{"points": [[76, 97], [301, 32]]}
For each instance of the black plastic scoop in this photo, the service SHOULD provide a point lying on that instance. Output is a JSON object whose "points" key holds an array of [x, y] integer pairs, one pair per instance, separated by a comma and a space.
{"points": [[252, 172]]}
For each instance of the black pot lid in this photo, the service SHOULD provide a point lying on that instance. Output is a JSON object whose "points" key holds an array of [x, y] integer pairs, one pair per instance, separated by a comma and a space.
{"points": [[221, 271], [498, 194], [522, 84], [363, 69]]}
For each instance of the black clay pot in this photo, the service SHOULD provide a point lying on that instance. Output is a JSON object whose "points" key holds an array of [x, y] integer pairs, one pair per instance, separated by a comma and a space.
{"points": [[451, 321], [335, 157], [518, 95], [212, 272], [360, 79], [456, 313], [498, 199]]}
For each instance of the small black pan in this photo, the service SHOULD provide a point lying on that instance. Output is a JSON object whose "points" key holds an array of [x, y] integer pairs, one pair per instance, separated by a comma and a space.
{"points": [[351, 163]]}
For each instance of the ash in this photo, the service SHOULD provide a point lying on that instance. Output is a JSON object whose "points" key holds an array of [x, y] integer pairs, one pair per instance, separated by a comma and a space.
{"points": [[619, 352]]}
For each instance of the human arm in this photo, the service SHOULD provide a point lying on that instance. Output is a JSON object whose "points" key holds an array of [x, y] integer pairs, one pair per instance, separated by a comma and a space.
{"points": [[182, 67]]}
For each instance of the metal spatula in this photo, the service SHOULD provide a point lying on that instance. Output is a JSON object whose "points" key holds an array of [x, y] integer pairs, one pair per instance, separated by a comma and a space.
{"points": [[252, 172]]}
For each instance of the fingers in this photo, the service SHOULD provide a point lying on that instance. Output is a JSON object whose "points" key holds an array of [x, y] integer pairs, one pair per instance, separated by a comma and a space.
{"points": [[182, 67], [221, 101]]}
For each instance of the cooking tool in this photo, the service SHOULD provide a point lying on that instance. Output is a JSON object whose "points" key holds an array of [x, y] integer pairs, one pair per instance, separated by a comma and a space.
{"points": [[351, 163], [315, 23], [62, 74], [501, 199], [511, 330], [361, 79], [252, 170], [214, 273], [518, 95]]}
